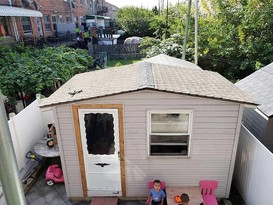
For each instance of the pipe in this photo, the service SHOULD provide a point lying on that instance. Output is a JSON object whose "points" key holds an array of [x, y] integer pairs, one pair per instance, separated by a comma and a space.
{"points": [[9, 175], [186, 30], [196, 33]]}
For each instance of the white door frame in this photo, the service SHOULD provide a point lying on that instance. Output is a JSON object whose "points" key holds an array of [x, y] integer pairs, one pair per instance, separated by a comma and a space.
{"points": [[75, 110]]}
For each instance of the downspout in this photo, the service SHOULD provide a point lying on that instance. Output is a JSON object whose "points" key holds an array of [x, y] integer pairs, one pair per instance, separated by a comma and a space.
{"points": [[12, 185], [15, 28], [196, 33], [71, 10]]}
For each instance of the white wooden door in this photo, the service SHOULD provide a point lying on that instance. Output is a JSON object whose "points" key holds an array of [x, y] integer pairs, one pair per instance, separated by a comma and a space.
{"points": [[100, 143]]}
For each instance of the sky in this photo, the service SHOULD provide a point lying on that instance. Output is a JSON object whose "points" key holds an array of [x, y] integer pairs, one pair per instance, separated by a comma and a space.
{"points": [[144, 3]]}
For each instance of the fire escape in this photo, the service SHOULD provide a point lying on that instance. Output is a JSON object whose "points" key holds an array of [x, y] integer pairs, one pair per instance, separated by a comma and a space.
{"points": [[98, 7]]}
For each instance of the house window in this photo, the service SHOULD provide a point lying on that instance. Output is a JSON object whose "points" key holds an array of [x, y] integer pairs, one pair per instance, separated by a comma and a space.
{"points": [[47, 23], [26, 25], [67, 19], [61, 19], [169, 133], [4, 27], [54, 19], [81, 20]]}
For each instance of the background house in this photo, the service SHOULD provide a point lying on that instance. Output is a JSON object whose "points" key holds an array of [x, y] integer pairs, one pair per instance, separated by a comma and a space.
{"points": [[34, 19], [259, 121], [254, 160], [174, 123]]}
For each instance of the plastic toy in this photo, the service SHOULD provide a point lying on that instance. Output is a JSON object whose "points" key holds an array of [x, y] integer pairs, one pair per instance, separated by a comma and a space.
{"points": [[177, 199], [54, 174]]}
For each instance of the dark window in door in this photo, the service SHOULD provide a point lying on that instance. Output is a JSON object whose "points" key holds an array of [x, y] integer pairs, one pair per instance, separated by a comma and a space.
{"points": [[99, 130]]}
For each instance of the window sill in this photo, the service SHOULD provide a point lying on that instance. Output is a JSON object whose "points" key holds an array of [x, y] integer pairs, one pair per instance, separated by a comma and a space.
{"points": [[173, 157]]}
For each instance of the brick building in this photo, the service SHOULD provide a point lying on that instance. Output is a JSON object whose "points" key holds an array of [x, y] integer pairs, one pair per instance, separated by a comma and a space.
{"points": [[21, 19]]}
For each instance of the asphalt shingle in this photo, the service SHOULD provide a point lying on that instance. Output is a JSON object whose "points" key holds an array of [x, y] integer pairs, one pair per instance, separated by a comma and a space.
{"points": [[259, 85], [186, 79]]}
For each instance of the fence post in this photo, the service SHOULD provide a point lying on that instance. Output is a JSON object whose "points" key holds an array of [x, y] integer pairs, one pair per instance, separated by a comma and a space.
{"points": [[12, 185]]}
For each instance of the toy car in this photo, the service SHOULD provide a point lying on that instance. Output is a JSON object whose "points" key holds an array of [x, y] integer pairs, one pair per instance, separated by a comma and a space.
{"points": [[54, 174]]}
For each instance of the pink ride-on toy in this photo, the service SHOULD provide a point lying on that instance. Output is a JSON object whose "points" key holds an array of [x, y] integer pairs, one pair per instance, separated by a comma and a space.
{"points": [[54, 174]]}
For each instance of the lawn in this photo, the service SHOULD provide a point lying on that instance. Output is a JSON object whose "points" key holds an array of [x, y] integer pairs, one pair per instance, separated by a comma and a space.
{"points": [[120, 62]]}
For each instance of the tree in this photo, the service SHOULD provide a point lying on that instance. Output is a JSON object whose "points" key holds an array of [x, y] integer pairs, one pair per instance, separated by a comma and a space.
{"points": [[29, 70], [136, 21]]}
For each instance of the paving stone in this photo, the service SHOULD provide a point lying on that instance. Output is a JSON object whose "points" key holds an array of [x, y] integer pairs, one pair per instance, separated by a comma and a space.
{"points": [[57, 201], [51, 195], [33, 195], [39, 201]]}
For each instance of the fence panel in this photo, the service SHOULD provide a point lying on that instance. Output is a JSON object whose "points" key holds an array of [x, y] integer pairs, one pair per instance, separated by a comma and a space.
{"points": [[119, 51], [26, 128], [253, 170]]}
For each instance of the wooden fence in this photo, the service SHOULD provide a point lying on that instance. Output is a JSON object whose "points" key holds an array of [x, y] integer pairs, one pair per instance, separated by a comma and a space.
{"points": [[118, 51]]}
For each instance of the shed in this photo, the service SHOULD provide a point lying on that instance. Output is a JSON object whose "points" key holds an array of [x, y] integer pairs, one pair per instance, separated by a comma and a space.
{"points": [[119, 127], [259, 121]]}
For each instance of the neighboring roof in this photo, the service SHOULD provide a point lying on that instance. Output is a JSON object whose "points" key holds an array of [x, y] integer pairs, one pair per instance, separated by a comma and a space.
{"points": [[171, 61], [146, 75], [15, 11], [259, 85]]}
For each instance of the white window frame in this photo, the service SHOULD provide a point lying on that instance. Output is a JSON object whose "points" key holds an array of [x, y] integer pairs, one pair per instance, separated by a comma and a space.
{"points": [[189, 133], [23, 23], [47, 23]]}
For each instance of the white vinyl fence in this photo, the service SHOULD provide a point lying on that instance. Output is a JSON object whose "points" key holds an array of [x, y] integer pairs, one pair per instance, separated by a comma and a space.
{"points": [[253, 174], [26, 128]]}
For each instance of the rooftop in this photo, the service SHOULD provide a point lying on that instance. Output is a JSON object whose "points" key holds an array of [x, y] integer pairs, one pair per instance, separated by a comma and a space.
{"points": [[181, 77], [259, 85]]}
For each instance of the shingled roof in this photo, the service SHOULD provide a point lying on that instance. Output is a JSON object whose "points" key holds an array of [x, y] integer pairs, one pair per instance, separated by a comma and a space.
{"points": [[259, 85], [147, 75], [171, 61]]}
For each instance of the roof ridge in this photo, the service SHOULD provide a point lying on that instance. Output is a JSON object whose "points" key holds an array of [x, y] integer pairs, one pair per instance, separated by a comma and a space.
{"points": [[146, 78]]}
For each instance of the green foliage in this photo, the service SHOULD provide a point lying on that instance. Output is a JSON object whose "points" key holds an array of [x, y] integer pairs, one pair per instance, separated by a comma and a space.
{"points": [[135, 21], [171, 46], [237, 38], [34, 70]]}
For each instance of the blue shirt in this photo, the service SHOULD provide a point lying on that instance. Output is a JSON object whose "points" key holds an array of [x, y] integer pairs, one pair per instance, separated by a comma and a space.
{"points": [[157, 196]]}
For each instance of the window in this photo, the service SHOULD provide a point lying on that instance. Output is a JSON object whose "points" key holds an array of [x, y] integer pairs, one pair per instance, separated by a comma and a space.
{"points": [[68, 19], [169, 133], [61, 19], [47, 23], [81, 20], [4, 27], [54, 19], [26, 25]]}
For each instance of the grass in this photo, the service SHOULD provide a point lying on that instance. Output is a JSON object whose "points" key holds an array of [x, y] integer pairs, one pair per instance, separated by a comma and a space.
{"points": [[120, 62]]}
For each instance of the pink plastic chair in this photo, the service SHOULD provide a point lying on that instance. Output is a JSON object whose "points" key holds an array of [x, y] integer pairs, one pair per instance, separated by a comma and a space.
{"points": [[207, 191]]}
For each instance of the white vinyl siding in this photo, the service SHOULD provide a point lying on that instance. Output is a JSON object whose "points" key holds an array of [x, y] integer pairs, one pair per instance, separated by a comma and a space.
{"points": [[212, 142]]}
